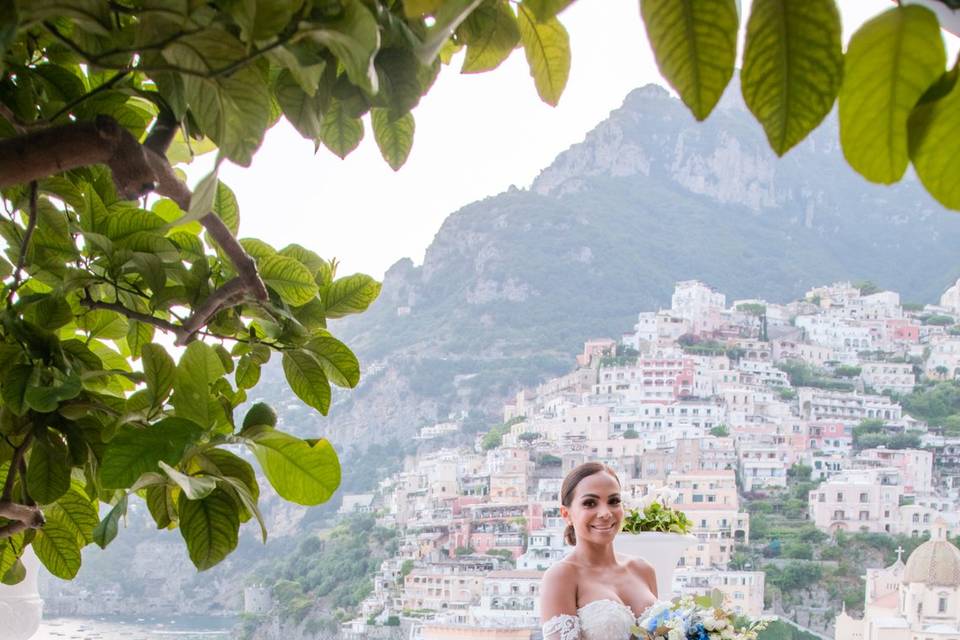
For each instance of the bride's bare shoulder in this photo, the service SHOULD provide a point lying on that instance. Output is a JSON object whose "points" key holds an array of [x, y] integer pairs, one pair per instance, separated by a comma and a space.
{"points": [[644, 570], [563, 571]]}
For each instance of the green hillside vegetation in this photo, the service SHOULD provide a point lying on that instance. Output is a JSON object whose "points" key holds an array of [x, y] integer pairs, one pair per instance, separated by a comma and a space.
{"points": [[332, 571], [937, 403]]}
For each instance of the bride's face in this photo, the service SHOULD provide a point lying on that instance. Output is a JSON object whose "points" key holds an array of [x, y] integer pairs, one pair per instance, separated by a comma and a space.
{"points": [[596, 511]]}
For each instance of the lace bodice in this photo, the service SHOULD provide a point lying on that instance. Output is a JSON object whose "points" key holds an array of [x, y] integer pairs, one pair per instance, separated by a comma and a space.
{"points": [[597, 620]]}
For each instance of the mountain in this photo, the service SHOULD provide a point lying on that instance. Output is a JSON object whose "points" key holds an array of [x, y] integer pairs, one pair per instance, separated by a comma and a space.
{"points": [[513, 284]]}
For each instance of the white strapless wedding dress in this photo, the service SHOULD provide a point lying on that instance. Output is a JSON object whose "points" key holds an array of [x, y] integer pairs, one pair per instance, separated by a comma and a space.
{"points": [[597, 620]]}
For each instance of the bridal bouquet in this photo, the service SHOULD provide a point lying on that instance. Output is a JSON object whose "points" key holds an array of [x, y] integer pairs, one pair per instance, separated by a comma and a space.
{"points": [[689, 618]]}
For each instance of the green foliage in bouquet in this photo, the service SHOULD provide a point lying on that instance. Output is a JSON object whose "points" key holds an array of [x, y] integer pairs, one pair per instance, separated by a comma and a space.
{"points": [[657, 517]]}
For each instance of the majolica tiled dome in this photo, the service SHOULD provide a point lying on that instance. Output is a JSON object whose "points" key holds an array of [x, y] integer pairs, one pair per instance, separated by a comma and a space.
{"points": [[935, 563]]}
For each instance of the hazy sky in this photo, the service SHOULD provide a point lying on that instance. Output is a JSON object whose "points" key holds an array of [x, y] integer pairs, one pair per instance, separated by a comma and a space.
{"points": [[476, 135]]}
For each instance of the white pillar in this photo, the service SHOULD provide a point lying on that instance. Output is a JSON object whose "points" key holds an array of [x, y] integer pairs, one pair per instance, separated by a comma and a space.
{"points": [[20, 604]]}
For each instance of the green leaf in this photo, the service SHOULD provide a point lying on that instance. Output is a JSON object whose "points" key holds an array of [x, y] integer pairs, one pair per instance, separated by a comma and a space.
{"points": [[292, 281], [161, 506], [15, 574], [891, 61], [139, 335], [354, 38], [351, 294], [134, 451], [547, 47], [417, 8], [9, 555], [394, 137], [209, 527], [792, 67], [307, 379], [103, 323], [14, 388], [491, 33], [248, 501], [339, 132], [300, 472], [262, 19], [304, 112], [695, 45], [232, 109], [201, 202], [8, 31], [57, 548], [229, 465], [932, 126], [48, 469], [106, 531], [543, 10], [226, 208], [258, 249], [248, 373], [260, 414], [338, 361], [160, 372], [307, 258], [198, 368], [76, 512], [447, 17], [194, 487], [46, 398]]}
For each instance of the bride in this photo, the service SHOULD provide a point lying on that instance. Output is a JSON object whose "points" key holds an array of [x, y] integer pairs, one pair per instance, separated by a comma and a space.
{"points": [[593, 593]]}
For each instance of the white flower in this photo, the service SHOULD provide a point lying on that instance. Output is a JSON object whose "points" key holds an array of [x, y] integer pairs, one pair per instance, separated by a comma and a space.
{"points": [[663, 494], [727, 633], [710, 623], [675, 634]]}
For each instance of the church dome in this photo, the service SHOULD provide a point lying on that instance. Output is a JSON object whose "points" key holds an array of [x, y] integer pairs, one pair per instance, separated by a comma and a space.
{"points": [[936, 562]]}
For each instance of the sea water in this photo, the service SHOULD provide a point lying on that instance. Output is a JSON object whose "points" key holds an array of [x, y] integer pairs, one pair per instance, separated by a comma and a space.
{"points": [[135, 628]]}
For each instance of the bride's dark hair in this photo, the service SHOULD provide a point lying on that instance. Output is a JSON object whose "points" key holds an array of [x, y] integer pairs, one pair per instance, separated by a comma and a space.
{"points": [[569, 487]]}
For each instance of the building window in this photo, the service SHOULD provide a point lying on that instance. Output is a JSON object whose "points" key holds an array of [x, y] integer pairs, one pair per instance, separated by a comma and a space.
{"points": [[942, 604], [864, 497]]}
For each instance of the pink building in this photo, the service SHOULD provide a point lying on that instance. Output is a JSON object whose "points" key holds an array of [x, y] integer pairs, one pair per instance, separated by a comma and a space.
{"points": [[596, 348], [903, 330], [915, 466]]}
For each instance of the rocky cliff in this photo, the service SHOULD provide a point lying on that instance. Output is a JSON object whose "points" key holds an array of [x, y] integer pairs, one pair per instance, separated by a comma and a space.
{"points": [[512, 285]]}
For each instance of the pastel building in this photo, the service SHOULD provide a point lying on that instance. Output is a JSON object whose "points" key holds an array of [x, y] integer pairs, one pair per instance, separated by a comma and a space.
{"points": [[860, 500]]}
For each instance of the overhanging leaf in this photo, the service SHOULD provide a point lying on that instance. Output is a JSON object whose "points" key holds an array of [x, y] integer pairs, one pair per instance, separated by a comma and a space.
{"points": [[307, 379], [547, 47], [338, 361], [491, 33], [48, 469], [209, 527], [350, 294], [292, 281], [57, 548], [394, 136], [198, 368], [193, 487], [792, 67], [134, 451], [339, 132], [300, 472], [695, 45], [106, 531], [932, 126], [891, 61]]}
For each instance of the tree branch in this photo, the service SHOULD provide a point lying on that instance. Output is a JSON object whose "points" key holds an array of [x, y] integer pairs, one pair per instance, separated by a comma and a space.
{"points": [[23, 516], [228, 295], [25, 242], [38, 154], [160, 323]]}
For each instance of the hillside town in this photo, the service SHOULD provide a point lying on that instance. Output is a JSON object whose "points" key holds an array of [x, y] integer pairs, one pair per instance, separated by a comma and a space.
{"points": [[699, 403]]}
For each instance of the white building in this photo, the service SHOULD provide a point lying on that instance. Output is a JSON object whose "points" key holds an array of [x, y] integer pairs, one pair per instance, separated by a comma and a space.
{"points": [[919, 600]]}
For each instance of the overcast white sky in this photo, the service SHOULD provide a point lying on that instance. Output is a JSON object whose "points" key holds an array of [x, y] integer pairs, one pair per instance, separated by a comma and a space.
{"points": [[476, 135]]}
